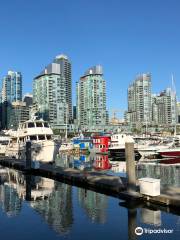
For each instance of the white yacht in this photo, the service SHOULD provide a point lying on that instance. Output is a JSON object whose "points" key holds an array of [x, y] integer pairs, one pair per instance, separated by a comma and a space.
{"points": [[148, 147], [40, 134], [117, 146]]}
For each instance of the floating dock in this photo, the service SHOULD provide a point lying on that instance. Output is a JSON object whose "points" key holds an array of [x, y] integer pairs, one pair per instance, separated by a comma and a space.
{"points": [[99, 182]]}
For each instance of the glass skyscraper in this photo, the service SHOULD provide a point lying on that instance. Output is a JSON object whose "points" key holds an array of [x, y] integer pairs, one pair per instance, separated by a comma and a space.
{"points": [[91, 100], [65, 68], [164, 108], [12, 87], [11, 92], [139, 99], [49, 96]]}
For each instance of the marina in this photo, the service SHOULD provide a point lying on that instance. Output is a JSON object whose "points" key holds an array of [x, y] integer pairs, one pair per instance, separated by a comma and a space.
{"points": [[89, 120], [142, 189], [63, 207], [59, 210], [102, 182]]}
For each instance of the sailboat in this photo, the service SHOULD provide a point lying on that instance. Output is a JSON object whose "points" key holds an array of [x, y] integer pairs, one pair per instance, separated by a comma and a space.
{"points": [[174, 151]]}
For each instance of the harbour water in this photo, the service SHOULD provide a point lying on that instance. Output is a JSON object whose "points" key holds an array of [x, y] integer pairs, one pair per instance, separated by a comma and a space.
{"points": [[92, 162], [168, 173], [33, 207]]}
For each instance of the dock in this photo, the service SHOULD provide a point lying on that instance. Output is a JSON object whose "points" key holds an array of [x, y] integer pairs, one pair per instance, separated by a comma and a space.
{"points": [[91, 180], [96, 181]]}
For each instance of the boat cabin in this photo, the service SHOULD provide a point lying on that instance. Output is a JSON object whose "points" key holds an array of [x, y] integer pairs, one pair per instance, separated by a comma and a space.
{"points": [[37, 130]]}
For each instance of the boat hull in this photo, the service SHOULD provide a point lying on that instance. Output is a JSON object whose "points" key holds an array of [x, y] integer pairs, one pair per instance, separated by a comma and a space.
{"points": [[42, 151], [170, 161], [172, 154]]}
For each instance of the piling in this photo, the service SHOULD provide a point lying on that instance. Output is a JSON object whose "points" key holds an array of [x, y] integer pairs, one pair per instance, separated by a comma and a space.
{"points": [[130, 165], [132, 213], [28, 187], [28, 155]]}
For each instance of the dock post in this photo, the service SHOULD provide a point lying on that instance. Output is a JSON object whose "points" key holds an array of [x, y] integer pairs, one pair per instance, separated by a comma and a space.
{"points": [[130, 165], [28, 188], [28, 155], [132, 213]]}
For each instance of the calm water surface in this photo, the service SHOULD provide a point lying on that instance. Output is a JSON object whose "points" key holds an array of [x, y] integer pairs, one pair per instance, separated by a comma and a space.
{"points": [[169, 174], [39, 208]]}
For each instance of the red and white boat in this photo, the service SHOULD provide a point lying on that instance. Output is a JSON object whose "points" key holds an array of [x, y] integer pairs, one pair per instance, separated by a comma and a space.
{"points": [[170, 152]]}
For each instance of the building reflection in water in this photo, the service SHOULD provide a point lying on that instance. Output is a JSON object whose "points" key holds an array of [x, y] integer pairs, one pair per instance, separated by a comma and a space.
{"points": [[57, 209], [94, 204], [52, 200], [9, 199]]}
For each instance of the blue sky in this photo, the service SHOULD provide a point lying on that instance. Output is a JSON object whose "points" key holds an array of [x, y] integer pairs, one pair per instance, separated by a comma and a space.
{"points": [[127, 37]]}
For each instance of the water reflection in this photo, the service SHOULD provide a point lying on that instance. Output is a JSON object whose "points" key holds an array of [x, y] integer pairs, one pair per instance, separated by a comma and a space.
{"points": [[101, 162], [152, 217], [62, 207], [51, 200], [149, 216], [118, 167], [9, 199], [57, 210], [94, 205], [169, 174], [90, 162]]}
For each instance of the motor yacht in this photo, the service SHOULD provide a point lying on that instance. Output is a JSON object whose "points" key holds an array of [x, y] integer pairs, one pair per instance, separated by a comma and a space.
{"points": [[39, 133], [150, 148], [117, 147], [172, 152]]}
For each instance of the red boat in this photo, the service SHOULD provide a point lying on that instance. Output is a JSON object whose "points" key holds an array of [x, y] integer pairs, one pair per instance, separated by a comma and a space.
{"points": [[170, 152], [101, 162], [100, 144], [170, 161]]}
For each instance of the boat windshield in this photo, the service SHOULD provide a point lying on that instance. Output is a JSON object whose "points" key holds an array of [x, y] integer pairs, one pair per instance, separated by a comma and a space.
{"points": [[31, 125], [39, 124], [41, 137], [33, 137], [48, 137], [46, 124]]}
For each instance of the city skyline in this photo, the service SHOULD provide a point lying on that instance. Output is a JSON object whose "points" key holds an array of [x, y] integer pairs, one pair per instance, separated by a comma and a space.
{"points": [[124, 37]]}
